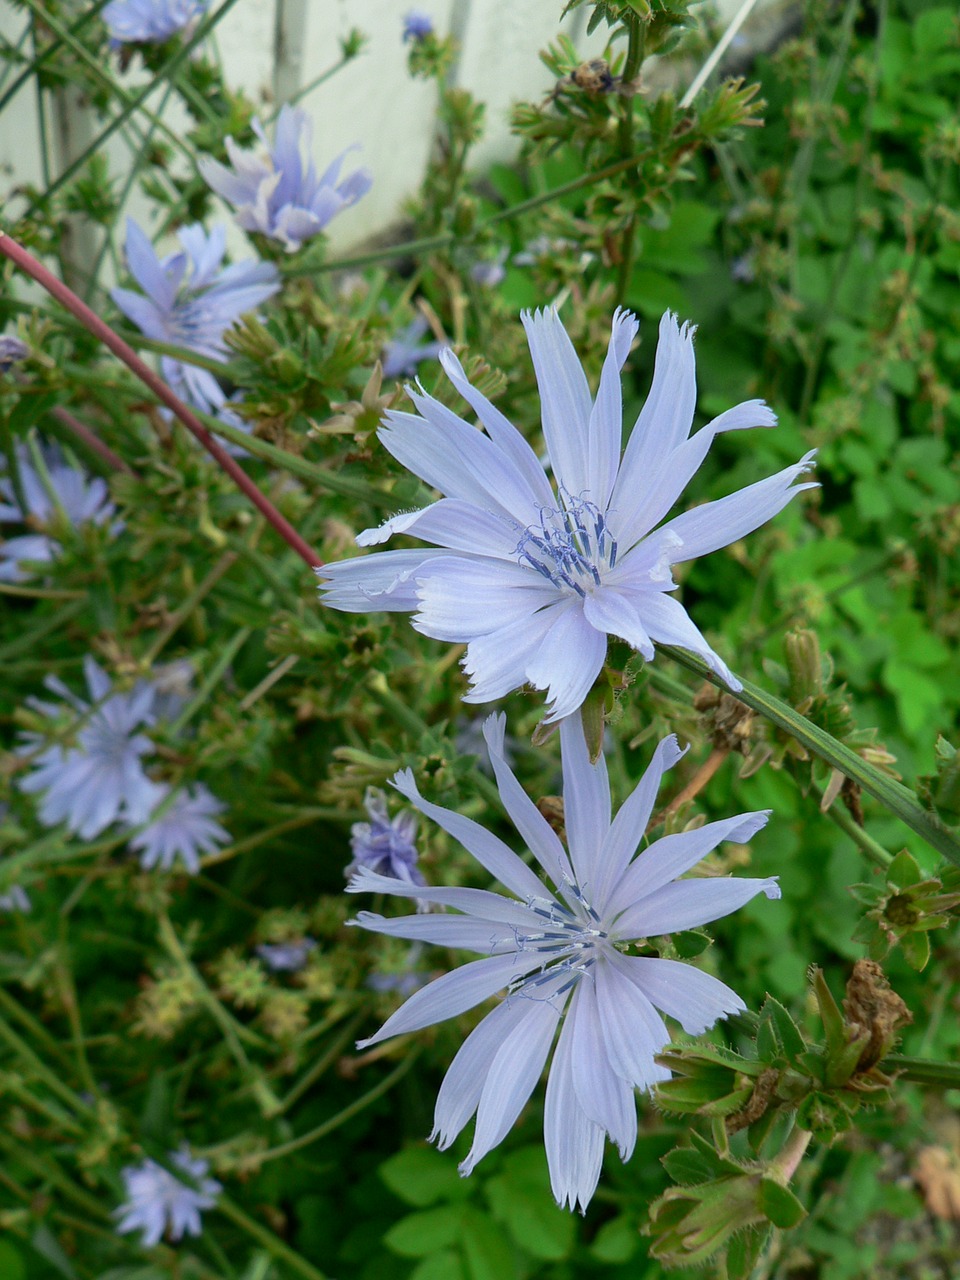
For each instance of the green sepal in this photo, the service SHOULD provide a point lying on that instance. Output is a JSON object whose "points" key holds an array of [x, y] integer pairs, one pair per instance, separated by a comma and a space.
{"points": [[779, 1204]]}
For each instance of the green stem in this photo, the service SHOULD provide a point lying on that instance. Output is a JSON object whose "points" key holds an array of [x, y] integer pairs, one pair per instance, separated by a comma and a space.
{"points": [[37, 62], [872, 848], [923, 1070], [322, 1064], [215, 675], [273, 1244], [899, 799], [180, 615], [361, 1103], [133, 104]]}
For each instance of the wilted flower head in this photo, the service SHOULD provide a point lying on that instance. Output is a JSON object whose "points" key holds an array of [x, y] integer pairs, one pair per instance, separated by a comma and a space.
{"points": [[534, 578], [417, 25], [385, 845], [184, 828], [191, 300], [59, 492], [15, 899], [12, 350], [404, 352], [561, 954], [157, 1201], [286, 957], [277, 194], [96, 778], [149, 21]]}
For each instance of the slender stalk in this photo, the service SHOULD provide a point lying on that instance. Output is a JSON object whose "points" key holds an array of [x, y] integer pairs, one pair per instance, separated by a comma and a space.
{"points": [[273, 1244], [693, 788], [227, 655], [923, 1070], [31, 267], [328, 1126], [37, 62], [900, 800], [785, 1165], [92, 441]]}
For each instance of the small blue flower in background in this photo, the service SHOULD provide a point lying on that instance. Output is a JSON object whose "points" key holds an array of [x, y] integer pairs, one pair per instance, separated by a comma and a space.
{"points": [[71, 494], [561, 955], [189, 300], [402, 354], [98, 779], [12, 350], [286, 957], [149, 21], [277, 194], [385, 845], [490, 272], [186, 828], [14, 900], [534, 579], [417, 25], [157, 1201]]}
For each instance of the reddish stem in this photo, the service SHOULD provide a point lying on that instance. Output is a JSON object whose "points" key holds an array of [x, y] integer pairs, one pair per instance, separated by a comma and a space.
{"points": [[29, 264], [92, 441]]}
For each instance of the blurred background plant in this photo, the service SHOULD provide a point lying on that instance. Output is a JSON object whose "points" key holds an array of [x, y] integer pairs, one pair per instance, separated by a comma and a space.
{"points": [[805, 219]]}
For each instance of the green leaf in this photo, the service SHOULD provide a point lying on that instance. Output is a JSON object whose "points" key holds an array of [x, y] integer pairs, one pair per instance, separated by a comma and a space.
{"points": [[780, 1205], [743, 1252], [688, 1167], [616, 1242], [916, 950], [419, 1234], [903, 871], [422, 1175], [440, 1266], [11, 1263], [787, 1031], [532, 1217], [489, 1257]]}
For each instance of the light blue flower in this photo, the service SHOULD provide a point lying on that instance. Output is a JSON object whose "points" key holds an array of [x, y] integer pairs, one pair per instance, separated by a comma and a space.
{"points": [[71, 495], [278, 194], [12, 350], [149, 21], [561, 954], [417, 25], [404, 352], [185, 827], [14, 900], [97, 778], [385, 845], [157, 1201], [190, 300], [534, 578], [286, 957]]}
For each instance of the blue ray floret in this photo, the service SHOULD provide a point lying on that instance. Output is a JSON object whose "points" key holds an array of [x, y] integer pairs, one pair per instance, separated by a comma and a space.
{"points": [[278, 194], [157, 1201], [189, 300], [532, 576], [558, 948], [149, 21]]}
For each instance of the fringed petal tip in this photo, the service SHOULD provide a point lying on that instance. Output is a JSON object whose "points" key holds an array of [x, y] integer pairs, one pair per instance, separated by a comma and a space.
{"points": [[771, 888], [404, 782]]}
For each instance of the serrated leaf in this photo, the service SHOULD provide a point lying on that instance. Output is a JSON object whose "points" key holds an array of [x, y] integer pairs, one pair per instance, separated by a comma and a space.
{"points": [[779, 1204], [788, 1033], [489, 1256], [616, 1242], [688, 1167], [532, 1217], [445, 1265]]}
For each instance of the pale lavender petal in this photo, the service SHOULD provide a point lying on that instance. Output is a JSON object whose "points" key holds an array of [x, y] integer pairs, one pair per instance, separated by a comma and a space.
{"points": [[633, 1031], [688, 904], [382, 582], [696, 999], [461, 932], [606, 1098], [606, 418], [669, 623], [666, 417], [476, 902], [497, 663], [511, 1078], [616, 614], [717, 524], [503, 433], [586, 802], [574, 1143], [500, 860], [630, 822], [673, 855], [565, 403], [454, 993], [537, 834], [455, 524], [461, 599], [568, 661]]}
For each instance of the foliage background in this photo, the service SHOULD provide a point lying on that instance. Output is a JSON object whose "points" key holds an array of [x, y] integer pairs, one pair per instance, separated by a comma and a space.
{"points": [[819, 255]]}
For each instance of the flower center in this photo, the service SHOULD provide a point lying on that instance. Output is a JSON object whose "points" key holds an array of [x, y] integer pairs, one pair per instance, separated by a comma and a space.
{"points": [[570, 546], [569, 941]]}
